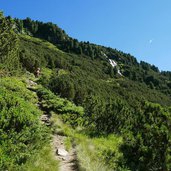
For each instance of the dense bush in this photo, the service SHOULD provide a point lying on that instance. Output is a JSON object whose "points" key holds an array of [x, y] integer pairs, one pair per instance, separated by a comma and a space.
{"points": [[147, 138], [70, 112], [9, 57], [21, 132]]}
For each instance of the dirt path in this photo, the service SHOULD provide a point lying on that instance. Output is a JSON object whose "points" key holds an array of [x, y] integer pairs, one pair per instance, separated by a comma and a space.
{"points": [[68, 160]]}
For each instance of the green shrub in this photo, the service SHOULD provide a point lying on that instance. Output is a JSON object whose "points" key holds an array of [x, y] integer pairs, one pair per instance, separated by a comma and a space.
{"points": [[70, 112], [21, 133]]}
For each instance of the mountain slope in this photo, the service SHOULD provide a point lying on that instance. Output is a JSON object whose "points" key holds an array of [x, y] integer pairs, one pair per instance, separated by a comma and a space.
{"points": [[125, 104], [112, 104], [92, 75], [126, 63]]}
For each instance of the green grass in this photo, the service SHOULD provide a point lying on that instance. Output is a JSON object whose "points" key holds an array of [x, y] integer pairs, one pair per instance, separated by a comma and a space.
{"points": [[100, 154], [88, 160], [93, 154], [43, 161], [68, 143], [45, 43]]}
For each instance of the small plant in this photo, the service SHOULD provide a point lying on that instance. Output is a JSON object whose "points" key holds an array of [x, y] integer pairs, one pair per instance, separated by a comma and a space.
{"points": [[43, 160], [68, 143]]}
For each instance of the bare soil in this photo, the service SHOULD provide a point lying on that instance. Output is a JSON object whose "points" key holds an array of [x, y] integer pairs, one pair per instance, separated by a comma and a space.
{"points": [[67, 162]]}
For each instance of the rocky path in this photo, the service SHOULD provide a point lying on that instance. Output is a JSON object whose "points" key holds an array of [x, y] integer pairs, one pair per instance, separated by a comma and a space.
{"points": [[68, 160]]}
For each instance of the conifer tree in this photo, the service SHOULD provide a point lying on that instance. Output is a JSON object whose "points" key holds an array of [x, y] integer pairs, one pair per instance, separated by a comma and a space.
{"points": [[9, 58]]}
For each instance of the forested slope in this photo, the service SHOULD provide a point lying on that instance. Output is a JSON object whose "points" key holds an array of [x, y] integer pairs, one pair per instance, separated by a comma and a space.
{"points": [[130, 68], [132, 107]]}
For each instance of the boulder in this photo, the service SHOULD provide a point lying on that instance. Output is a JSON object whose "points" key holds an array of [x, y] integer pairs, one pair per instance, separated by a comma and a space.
{"points": [[61, 152]]}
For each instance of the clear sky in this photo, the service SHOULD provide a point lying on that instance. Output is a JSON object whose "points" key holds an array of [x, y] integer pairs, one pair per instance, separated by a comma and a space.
{"points": [[139, 27]]}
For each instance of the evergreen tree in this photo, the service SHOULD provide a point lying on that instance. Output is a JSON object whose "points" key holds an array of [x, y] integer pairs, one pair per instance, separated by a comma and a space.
{"points": [[9, 57]]}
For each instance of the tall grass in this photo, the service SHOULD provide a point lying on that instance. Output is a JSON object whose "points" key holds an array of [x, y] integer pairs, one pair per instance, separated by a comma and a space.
{"points": [[43, 161], [93, 154]]}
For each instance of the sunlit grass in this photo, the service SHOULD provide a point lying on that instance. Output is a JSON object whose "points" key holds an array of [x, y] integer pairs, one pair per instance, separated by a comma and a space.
{"points": [[43, 42], [93, 154], [43, 161]]}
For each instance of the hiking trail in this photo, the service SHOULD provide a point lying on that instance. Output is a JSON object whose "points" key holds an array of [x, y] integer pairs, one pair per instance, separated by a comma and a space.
{"points": [[67, 159]]}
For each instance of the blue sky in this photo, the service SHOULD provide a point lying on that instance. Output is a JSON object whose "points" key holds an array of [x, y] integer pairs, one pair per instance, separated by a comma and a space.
{"points": [[139, 27]]}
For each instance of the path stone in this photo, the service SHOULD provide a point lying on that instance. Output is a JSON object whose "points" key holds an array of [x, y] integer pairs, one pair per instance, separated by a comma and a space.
{"points": [[45, 119], [68, 159], [61, 152]]}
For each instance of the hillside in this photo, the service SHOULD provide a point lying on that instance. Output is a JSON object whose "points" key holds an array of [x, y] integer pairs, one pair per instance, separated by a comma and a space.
{"points": [[106, 100]]}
